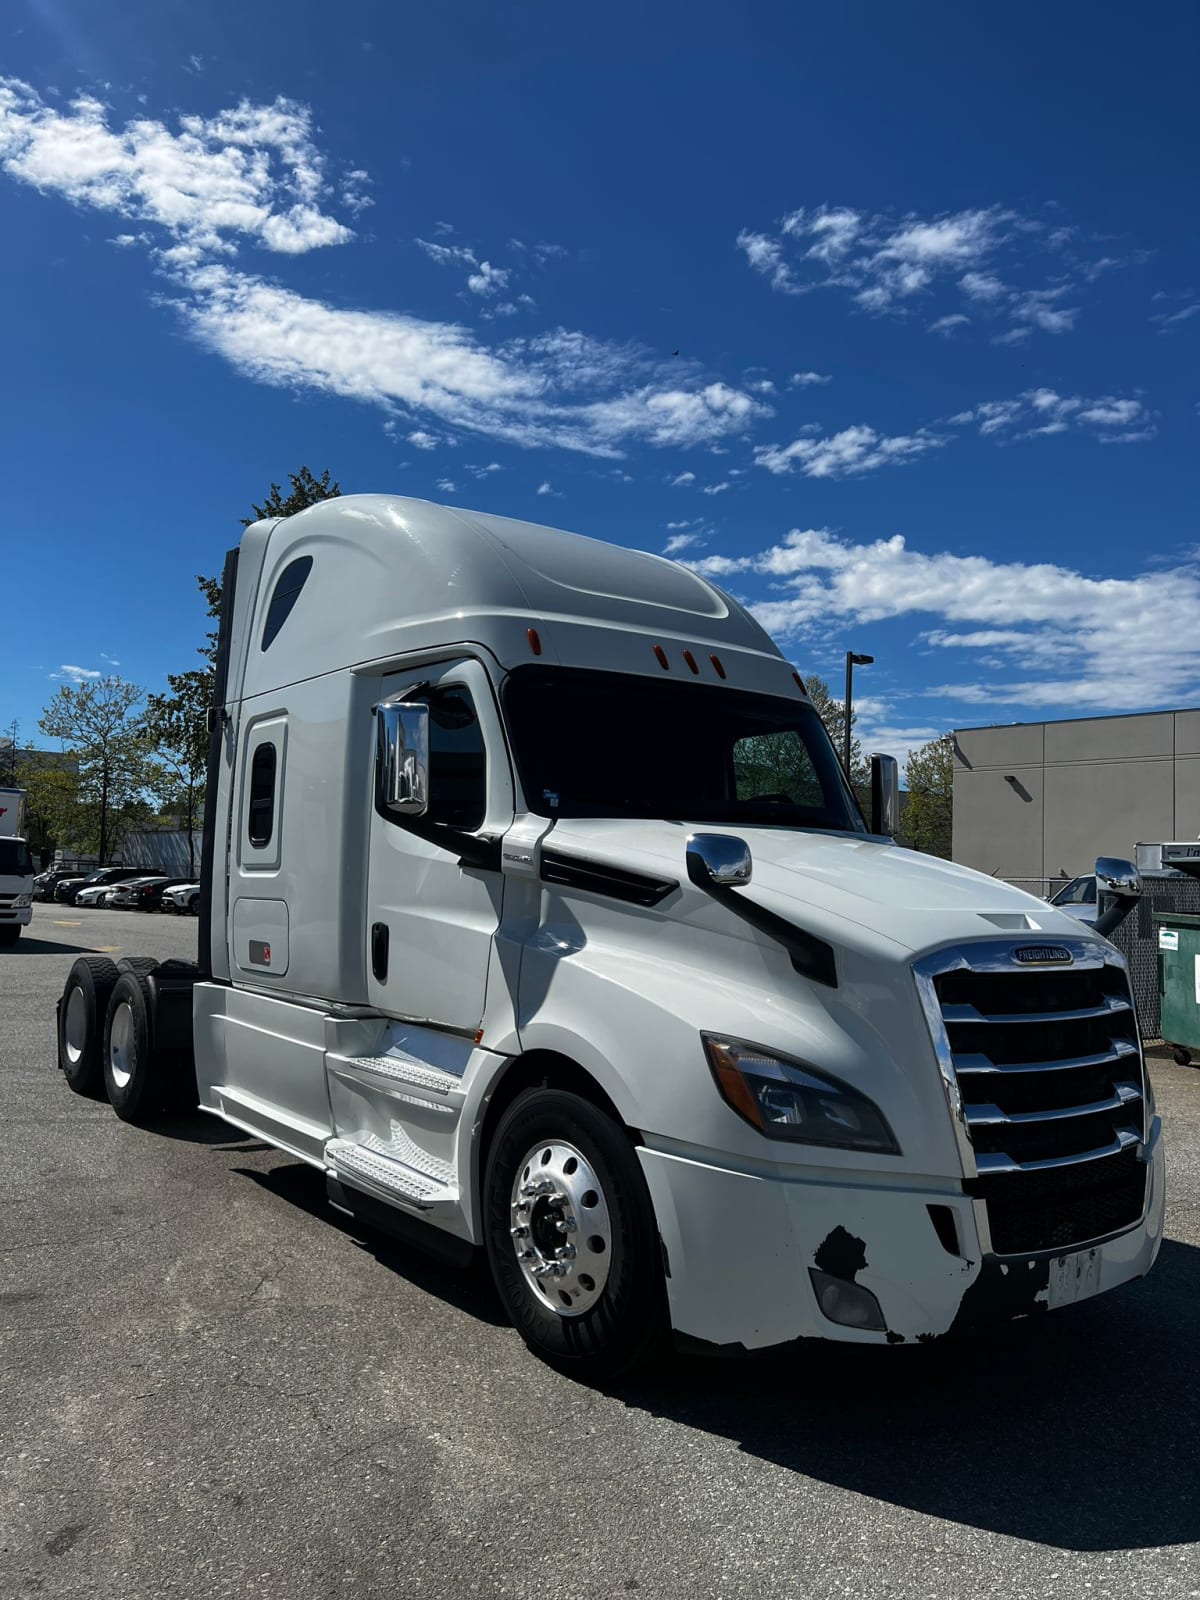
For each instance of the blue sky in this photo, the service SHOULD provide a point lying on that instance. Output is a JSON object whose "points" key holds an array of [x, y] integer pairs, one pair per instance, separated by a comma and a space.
{"points": [[930, 271]]}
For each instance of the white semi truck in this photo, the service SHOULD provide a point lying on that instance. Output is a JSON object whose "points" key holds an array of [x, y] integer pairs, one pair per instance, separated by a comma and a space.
{"points": [[538, 914], [16, 867]]}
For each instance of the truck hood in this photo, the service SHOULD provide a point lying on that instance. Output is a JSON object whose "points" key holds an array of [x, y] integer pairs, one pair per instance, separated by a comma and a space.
{"points": [[846, 887]]}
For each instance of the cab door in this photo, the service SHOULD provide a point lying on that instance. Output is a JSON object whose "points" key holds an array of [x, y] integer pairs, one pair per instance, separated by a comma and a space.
{"points": [[434, 886]]}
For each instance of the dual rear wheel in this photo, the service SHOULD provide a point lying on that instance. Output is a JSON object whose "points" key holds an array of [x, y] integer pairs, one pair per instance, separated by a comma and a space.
{"points": [[105, 1038]]}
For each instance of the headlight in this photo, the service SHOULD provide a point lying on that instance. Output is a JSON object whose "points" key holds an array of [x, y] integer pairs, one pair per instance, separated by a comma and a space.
{"points": [[789, 1100], [23, 900]]}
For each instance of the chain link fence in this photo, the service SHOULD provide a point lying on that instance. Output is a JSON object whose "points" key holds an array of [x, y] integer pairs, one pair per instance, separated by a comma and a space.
{"points": [[1137, 939]]}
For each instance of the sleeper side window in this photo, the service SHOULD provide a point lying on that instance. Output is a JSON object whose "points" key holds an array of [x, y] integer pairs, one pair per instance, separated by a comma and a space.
{"points": [[264, 770], [287, 591], [261, 810]]}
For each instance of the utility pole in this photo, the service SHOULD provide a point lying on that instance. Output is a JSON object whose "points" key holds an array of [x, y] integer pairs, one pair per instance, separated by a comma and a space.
{"points": [[852, 661]]}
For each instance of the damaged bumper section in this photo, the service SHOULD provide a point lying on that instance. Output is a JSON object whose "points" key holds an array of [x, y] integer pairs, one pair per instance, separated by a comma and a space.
{"points": [[757, 1260]]}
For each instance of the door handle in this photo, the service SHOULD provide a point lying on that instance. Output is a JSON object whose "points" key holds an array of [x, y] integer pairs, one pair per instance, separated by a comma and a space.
{"points": [[379, 950]]}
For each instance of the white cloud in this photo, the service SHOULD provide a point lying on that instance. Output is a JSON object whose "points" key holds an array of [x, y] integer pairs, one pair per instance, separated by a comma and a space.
{"points": [[683, 480], [714, 488], [422, 440], [766, 256], [77, 675], [251, 172], [282, 338], [447, 486], [488, 280], [1168, 319], [883, 262], [853, 450], [946, 325], [1063, 638], [1039, 309], [546, 487], [801, 380], [681, 541], [447, 255], [982, 286], [483, 471], [1042, 412]]}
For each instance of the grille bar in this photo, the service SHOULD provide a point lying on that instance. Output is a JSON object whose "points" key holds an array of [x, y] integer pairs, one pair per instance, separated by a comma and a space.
{"points": [[968, 1013], [992, 1116], [1124, 1140], [1121, 1050]]}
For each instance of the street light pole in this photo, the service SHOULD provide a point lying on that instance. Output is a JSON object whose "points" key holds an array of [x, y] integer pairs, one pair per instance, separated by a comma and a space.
{"points": [[852, 661]]}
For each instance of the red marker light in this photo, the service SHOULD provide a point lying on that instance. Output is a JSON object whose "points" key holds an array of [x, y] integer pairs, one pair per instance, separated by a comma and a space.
{"points": [[661, 655], [799, 683], [535, 643], [716, 661], [691, 660]]}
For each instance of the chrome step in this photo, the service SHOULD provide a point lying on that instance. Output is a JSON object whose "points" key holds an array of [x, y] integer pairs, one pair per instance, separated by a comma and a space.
{"points": [[427, 1185]]}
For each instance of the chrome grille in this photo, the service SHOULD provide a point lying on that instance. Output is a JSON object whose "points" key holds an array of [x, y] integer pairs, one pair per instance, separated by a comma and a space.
{"points": [[1043, 1069]]}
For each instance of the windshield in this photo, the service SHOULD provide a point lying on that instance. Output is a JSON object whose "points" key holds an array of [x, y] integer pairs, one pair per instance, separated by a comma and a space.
{"points": [[15, 857], [1079, 892], [607, 744]]}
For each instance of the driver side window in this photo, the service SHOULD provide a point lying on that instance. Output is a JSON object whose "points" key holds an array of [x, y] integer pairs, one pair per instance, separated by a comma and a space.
{"points": [[457, 760]]}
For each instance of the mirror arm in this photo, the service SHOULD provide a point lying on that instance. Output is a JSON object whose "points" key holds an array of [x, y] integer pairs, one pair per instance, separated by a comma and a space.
{"points": [[472, 849]]}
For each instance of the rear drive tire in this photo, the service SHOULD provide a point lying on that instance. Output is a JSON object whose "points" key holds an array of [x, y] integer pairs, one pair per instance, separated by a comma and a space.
{"points": [[142, 965], [134, 1072], [81, 1013], [583, 1283]]}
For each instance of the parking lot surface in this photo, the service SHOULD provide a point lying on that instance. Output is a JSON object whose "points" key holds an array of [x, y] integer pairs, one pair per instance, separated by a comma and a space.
{"points": [[210, 1386]]}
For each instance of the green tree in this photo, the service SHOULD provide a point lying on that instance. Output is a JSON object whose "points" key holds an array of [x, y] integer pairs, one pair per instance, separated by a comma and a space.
{"points": [[929, 814], [176, 726], [98, 722], [10, 745], [833, 714]]}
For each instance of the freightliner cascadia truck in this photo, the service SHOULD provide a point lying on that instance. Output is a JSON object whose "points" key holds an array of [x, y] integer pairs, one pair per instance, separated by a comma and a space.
{"points": [[539, 916]]}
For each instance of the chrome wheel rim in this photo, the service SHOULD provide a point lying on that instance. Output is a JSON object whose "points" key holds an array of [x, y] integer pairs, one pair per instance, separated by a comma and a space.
{"points": [[561, 1228], [121, 1046], [75, 1027]]}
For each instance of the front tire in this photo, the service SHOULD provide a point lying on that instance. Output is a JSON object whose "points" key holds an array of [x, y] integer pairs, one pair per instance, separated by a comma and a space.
{"points": [[571, 1236], [10, 932], [81, 1013]]}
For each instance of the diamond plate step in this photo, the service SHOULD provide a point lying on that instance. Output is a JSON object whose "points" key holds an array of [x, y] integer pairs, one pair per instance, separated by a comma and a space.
{"points": [[428, 1186]]}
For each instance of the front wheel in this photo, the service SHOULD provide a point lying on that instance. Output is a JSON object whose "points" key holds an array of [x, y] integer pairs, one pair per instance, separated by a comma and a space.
{"points": [[571, 1236]]}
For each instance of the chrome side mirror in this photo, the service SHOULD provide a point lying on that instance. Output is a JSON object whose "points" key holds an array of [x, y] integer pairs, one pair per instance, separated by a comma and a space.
{"points": [[718, 861], [885, 795], [402, 745], [1118, 877], [1121, 883]]}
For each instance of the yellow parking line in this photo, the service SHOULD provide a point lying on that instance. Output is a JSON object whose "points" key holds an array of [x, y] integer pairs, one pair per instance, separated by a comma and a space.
{"points": [[107, 949], [59, 924]]}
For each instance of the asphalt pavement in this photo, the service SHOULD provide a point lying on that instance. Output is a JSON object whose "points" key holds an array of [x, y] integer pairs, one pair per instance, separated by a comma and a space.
{"points": [[210, 1386]]}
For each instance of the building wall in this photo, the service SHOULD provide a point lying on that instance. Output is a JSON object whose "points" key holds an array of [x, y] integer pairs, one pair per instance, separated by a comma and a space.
{"points": [[1041, 799]]}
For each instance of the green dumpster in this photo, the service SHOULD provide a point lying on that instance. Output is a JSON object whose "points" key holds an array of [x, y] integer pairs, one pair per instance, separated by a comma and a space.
{"points": [[1179, 982]]}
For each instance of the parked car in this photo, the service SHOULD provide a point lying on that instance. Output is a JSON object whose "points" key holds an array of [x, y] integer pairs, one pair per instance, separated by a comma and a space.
{"points": [[121, 895], [67, 885], [183, 898], [1078, 898], [70, 890], [148, 896], [92, 894]]}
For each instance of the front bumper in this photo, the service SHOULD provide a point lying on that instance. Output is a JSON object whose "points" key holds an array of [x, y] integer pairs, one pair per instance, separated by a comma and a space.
{"points": [[738, 1247], [21, 915]]}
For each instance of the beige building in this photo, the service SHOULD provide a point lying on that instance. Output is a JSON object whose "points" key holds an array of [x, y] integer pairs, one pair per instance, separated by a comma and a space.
{"points": [[1035, 801]]}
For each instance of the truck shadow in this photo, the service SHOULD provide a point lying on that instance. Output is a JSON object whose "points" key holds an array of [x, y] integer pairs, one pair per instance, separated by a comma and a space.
{"points": [[47, 947], [468, 1289], [1076, 1430]]}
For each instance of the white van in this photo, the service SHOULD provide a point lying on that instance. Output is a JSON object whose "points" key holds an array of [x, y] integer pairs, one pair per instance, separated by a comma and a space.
{"points": [[537, 913], [16, 888]]}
